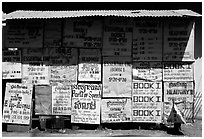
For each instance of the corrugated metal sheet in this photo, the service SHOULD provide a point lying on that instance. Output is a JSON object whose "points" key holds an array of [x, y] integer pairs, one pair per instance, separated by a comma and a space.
{"points": [[82, 13]]}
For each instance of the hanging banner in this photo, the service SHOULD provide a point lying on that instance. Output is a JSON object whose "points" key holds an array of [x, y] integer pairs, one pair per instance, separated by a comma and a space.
{"points": [[117, 76], [179, 40], [117, 38], [86, 100], [83, 32], [148, 71], [147, 40], [24, 33], [43, 100], [61, 100], [147, 102], [90, 65], [116, 110], [52, 33], [11, 65], [17, 103], [177, 71]]}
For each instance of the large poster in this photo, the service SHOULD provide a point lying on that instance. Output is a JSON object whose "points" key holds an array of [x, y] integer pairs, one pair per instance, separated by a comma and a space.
{"points": [[83, 32], [179, 40], [17, 103], [24, 33], [117, 38], [89, 65], [11, 65], [178, 71], [61, 100], [148, 71], [147, 102], [147, 40], [86, 102], [117, 76], [116, 110]]}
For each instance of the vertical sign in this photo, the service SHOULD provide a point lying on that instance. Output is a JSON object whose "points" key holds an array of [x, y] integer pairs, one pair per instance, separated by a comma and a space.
{"points": [[86, 99], [17, 103], [147, 102], [89, 65], [117, 76], [61, 100], [116, 110], [179, 40], [83, 32], [117, 38], [147, 40], [11, 65]]}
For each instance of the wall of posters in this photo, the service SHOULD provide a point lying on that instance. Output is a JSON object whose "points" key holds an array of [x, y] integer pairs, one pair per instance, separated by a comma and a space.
{"points": [[117, 38], [116, 110], [61, 100], [86, 100], [147, 40], [147, 102], [17, 103], [89, 65], [117, 76]]}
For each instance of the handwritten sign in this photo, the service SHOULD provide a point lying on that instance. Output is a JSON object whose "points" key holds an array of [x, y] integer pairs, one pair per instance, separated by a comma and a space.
{"points": [[147, 102], [89, 65], [83, 32], [149, 71], [24, 33], [179, 40], [61, 100], [11, 65], [116, 110], [117, 76], [17, 103], [178, 71], [147, 40], [117, 38]]}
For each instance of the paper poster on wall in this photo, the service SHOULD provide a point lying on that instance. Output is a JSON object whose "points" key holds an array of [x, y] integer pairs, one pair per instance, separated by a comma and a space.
{"points": [[179, 40], [178, 71], [148, 71], [17, 103], [147, 102], [43, 100], [61, 100], [82, 32], [11, 65], [86, 102], [147, 40], [117, 76], [89, 65], [116, 110], [24, 33], [117, 38]]}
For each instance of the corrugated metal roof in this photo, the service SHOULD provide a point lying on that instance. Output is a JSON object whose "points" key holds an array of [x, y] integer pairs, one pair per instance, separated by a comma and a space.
{"points": [[81, 13]]}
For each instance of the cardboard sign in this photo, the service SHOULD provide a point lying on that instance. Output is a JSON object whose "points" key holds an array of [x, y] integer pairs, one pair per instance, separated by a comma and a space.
{"points": [[83, 32], [117, 38], [179, 40], [117, 76], [11, 65], [89, 65], [116, 110], [147, 40], [24, 33], [17, 103], [147, 102], [86, 99], [148, 71], [61, 100], [177, 71]]}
